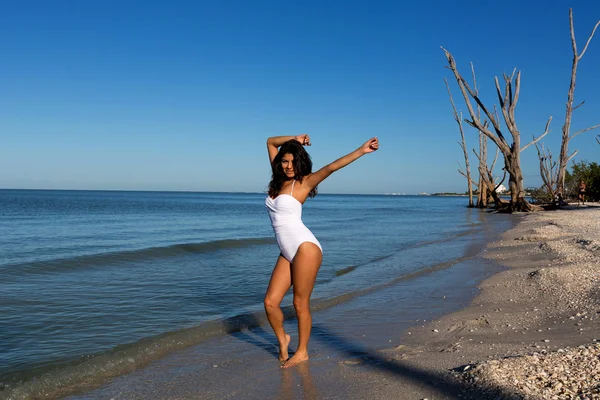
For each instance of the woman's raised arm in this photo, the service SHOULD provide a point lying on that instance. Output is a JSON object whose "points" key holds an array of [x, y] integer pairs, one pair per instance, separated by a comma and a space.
{"points": [[314, 179], [274, 142]]}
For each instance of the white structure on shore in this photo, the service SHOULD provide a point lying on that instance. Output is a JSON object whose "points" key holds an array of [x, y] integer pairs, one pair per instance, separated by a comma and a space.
{"points": [[501, 189]]}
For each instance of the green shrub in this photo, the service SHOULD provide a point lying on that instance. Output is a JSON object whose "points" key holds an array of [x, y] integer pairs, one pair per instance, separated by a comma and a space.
{"points": [[589, 172]]}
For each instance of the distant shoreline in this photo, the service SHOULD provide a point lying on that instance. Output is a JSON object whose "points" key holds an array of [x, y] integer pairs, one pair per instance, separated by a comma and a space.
{"points": [[228, 192]]}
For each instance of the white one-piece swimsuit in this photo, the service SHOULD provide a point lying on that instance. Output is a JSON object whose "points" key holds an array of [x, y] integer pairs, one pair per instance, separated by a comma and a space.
{"points": [[285, 212]]}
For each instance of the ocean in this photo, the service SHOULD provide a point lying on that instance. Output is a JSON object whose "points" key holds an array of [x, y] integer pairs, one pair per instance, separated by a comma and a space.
{"points": [[97, 283]]}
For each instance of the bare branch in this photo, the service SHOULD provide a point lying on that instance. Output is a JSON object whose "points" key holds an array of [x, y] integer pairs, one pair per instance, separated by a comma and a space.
{"points": [[589, 39], [463, 145], [474, 79], [541, 136], [510, 92], [584, 130], [482, 196], [578, 105], [515, 99], [548, 170], [505, 101], [475, 122], [572, 155], [496, 112], [573, 42], [454, 113], [495, 158], [460, 171], [501, 99], [501, 181]]}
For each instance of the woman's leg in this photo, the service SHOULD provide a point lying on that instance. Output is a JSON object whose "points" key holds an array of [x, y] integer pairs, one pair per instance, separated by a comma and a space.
{"points": [[281, 280], [305, 267]]}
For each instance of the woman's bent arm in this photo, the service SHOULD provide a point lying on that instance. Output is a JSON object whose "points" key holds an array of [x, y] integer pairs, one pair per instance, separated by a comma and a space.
{"points": [[369, 146], [274, 142]]}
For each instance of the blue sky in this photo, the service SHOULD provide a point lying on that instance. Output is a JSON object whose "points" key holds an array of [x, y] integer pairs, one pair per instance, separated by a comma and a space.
{"points": [[181, 95]]}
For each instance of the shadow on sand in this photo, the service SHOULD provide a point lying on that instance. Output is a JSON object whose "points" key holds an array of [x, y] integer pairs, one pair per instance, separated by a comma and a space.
{"points": [[240, 325], [443, 382], [247, 327]]}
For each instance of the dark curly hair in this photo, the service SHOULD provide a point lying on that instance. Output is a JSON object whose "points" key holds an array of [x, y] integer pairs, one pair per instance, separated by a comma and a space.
{"points": [[302, 167]]}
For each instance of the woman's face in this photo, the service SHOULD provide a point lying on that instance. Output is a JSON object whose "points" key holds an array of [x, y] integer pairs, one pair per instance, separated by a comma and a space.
{"points": [[287, 164]]}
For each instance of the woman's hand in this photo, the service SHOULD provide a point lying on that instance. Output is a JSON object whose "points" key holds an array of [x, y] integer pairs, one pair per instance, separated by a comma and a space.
{"points": [[303, 139], [370, 146]]}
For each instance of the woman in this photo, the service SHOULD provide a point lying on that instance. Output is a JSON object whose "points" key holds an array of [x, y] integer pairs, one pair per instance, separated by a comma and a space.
{"points": [[581, 193], [301, 254]]}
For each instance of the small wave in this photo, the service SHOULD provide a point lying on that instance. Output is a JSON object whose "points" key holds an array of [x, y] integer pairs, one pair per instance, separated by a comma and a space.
{"points": [[119, 257], [344, 271], [410, 246], [83, 374], [60, 380]]}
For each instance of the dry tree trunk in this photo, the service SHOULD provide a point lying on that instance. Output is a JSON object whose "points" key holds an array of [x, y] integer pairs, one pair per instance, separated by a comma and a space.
{"points": [[482, 200], [511, 152], [494, 194], [484, 196], [486, 180], [463, 145], [566, 129]]}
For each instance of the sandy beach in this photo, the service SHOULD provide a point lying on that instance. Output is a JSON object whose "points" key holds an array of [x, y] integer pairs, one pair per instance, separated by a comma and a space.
{"points": [[530, 332]]}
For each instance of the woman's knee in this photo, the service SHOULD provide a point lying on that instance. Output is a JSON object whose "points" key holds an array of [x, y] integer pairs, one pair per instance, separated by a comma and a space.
{"points": [[301, 305], [271, 304]]}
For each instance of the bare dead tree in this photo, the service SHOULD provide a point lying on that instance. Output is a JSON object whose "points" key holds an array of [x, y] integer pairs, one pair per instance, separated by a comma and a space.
{"points": [[598, 139], [484, 195], [566, 129], [510, 151], [463, 145], [548, 170]]}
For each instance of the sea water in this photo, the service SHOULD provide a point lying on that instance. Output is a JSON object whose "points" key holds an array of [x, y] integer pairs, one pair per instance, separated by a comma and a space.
{"points": [[107, 278]]}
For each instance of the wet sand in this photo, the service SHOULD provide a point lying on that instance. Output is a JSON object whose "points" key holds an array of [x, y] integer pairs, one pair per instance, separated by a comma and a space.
{"points": [[542, 298]]}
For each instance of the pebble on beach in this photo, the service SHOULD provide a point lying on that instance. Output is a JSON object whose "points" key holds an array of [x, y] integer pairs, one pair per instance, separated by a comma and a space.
{"points": [[564, 374]]}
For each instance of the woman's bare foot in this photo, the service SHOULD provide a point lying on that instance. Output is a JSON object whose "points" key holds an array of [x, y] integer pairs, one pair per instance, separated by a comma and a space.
{"points": [[295, 360], [283, 348]]}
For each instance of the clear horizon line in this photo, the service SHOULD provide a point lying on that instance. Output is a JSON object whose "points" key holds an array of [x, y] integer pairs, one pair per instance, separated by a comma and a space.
{"points": [[220, 191]]}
